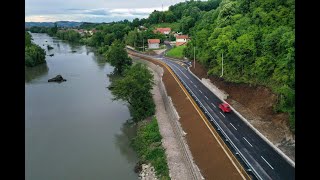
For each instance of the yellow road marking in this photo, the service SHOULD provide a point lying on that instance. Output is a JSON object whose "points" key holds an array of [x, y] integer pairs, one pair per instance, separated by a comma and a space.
{"points": [[241, 171]]}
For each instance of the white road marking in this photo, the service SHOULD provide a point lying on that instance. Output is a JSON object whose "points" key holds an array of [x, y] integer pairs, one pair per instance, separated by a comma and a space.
{"points": [[267, 162], [191, 82], [195, 86], [233, 126], [222, 114], [200, 91], [206, 97], [247, 141], [213, 105]]}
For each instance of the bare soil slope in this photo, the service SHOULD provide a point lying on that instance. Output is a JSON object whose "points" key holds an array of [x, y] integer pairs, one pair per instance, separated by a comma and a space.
{"points": [[256, 103]]}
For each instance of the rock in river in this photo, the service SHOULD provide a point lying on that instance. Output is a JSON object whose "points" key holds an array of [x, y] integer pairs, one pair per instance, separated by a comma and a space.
{"points": [[58, 78]]}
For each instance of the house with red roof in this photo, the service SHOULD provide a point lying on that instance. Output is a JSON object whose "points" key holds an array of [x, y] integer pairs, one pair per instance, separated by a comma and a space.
{"points": [[181, 40], [153, 43], [165, 31]]}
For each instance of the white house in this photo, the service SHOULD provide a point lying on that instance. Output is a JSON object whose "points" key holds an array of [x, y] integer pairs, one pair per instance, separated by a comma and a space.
{"points": [[181, 40], [153, 43]]}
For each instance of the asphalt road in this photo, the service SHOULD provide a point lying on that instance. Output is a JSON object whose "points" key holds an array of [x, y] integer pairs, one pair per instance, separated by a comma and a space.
{"points": [[256, 155]]}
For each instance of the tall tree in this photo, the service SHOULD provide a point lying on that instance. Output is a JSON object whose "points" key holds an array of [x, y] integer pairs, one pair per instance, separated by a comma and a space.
{"points": [[118, 56], [135, 88]]}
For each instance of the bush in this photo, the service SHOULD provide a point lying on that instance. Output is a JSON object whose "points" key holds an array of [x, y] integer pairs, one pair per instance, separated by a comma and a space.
{"points": [[148, 145]]}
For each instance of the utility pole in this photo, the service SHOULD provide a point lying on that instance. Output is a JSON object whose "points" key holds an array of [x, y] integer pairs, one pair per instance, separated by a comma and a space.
{"points": [[194, 57], [143, 44], [222, 66]]}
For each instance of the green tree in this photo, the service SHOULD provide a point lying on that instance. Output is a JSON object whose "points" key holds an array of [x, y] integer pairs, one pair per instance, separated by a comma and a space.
{"points": [[135, 88], [28, 39], [118, 57], [186, 23]]}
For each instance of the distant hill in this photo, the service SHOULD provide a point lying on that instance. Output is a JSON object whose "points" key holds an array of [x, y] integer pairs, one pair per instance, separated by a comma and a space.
{"points": [[51, 24]]}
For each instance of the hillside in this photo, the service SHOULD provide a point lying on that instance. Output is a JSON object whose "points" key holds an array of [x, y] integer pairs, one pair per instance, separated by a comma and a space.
{"points": [[51, 24], [257, 40]]}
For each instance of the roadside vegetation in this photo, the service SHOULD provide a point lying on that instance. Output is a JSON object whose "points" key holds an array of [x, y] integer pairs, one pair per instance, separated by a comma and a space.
{"points": [[256, 39], [134, 85], [34, 54], [176, 52], [147, 144], [135, 88]]}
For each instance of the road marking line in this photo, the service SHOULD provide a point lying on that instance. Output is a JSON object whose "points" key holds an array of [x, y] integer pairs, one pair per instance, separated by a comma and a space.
{"points": [[213, 105], [191, 81], [236, 164], [196, 86], [267, 162], [233, 126], [222, 114], [200, 91], [247, 141], [206, 97]]}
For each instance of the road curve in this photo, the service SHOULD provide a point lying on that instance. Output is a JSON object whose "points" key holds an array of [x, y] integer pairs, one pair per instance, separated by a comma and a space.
{"points": [[256, 155]]}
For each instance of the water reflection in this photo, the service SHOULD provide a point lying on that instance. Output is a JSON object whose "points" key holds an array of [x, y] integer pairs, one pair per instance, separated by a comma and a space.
{"points": [[123, 140], [35, 72], [76, 48], [99, 59]]}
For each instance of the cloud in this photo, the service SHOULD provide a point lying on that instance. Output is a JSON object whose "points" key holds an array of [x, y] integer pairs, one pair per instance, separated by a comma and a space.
{"points": [[95, 15]]}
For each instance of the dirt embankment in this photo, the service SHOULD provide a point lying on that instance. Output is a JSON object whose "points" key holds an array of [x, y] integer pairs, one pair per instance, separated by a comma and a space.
{"points": [[256, 103], [206, 151]]}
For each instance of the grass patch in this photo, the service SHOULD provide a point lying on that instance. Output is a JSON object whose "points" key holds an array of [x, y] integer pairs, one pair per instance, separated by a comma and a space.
{"points": [[148, 145], [176, 52]]}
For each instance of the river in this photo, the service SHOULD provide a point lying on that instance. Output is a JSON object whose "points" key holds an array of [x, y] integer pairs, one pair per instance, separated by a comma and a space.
{"points": [[73, 129]]}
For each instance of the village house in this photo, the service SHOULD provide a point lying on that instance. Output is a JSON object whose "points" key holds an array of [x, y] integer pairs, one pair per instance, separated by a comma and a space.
{"points": [[165, 31], [153, 43], [181, 40]]}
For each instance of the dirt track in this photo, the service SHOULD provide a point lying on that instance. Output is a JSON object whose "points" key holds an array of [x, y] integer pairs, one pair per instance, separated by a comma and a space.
{"points": [[206, 151]]}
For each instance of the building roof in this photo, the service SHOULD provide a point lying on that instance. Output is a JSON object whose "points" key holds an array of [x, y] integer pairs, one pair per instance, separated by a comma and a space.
{"points": [[153, 41], [182, 37]]}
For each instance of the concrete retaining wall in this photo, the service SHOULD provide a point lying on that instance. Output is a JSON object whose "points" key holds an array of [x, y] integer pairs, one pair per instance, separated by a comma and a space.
{"points": [[174, 121]]}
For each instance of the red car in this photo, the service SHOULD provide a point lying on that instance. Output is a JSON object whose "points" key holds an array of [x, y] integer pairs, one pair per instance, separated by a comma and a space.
{"points": [[225, 107]]}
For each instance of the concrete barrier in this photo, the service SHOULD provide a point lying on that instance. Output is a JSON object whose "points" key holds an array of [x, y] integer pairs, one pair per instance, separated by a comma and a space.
{"points": [[174, 121]]}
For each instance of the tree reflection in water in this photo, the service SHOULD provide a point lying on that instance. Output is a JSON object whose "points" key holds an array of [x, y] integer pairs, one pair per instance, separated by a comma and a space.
{"points": [[123, 140], [32, 73]]}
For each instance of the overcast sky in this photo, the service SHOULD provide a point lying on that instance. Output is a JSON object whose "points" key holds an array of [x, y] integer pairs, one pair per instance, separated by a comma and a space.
{"points": [[92, 10]]}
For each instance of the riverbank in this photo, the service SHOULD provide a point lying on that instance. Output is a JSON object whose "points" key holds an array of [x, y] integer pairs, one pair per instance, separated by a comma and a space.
{"points": [[171, 134], [84, 129], [148, 145]]}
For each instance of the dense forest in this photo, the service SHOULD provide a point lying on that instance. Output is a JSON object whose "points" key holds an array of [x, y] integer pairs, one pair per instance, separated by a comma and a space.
{"points": [[255, 38], [34, 54]]}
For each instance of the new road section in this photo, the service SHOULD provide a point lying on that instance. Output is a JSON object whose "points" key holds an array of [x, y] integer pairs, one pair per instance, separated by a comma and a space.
{"points": [[260, 158]]}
